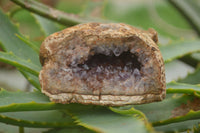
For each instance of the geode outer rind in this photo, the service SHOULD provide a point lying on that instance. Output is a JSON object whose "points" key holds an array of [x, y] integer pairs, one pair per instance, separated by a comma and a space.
{"points": [[65, 81]]}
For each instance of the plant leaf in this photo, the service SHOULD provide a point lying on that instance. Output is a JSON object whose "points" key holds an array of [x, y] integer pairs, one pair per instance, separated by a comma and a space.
{"points": [[5, 128], [53, 118], [101, 119], [177, 50], [192, 78], [154, 14], [75, 129], [191, 115], [47, 26], [180, 126], [33, 46], [190, 10], [176, 109], [96, 118], [11, 43], [32, 79], [31, 101], [11, 59], [174, 87]]}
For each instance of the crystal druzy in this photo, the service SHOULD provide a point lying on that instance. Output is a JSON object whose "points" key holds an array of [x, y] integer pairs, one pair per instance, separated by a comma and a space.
{"points": [[103, 64]]}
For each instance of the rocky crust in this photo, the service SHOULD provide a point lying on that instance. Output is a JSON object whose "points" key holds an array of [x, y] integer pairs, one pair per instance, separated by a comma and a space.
{"points": [[103, 64]]}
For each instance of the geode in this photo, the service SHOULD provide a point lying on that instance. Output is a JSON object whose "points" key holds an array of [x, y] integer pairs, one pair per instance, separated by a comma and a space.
{"points": [[102, 64]]}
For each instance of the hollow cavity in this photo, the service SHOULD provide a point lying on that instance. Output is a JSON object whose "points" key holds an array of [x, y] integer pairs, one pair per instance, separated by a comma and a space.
{"points": [[101, 67]]}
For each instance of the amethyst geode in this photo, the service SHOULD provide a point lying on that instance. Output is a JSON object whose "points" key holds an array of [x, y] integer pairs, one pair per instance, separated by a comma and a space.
{"points": [[102, 64]]}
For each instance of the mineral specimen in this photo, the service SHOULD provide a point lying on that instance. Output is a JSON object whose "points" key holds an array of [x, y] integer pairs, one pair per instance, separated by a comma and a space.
{"points": [[102, 64]]}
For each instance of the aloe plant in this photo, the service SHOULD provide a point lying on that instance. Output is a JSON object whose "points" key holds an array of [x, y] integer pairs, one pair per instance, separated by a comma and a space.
{"points": [[180, 111]]}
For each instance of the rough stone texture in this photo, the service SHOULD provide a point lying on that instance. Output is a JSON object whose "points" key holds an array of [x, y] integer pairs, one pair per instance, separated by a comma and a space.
{"points": [[103, 64]]}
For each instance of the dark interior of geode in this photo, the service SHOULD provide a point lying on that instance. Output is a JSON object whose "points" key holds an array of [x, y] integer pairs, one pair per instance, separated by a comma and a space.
{"points": [[110, 65], [107, 67]]}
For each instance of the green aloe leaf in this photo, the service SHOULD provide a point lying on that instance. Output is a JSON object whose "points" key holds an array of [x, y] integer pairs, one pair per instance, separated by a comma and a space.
{"points": [[53, 118], [47, 26], [190, 10], [175, 109], [75, 129], [154, 14], [179, 127], [25, 101], [174, 87], [192, 78], [101, 119], [31, 101], [176, 112], [32, 79], [25, 65], [96, 118], [33, 46], [22, 51], [5, 128], [11, 43], [10, 97], [159, 111], [179, 49]]}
